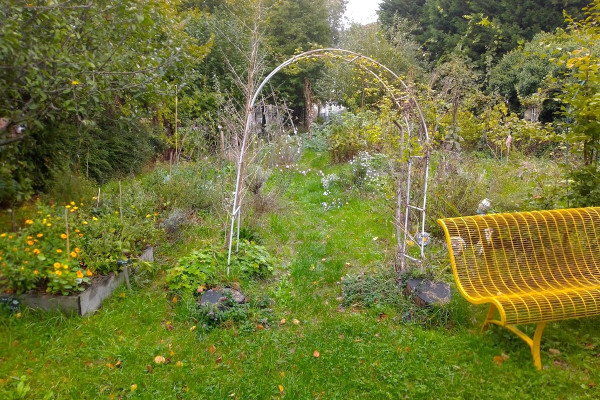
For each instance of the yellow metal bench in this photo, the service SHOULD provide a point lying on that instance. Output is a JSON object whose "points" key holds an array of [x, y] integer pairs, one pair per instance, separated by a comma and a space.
{"points": [[532, 267]]}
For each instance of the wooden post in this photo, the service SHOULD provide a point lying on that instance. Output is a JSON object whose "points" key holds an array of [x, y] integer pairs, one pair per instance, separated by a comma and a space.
{"points": [[120, 203], [67, 233]]}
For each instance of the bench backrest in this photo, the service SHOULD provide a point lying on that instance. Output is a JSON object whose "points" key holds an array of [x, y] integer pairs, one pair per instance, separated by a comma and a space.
{"points": [[516, 253]]}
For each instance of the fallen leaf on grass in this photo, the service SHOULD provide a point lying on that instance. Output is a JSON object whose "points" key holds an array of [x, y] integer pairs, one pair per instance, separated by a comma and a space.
{"points": [[554, 352], [219, 359], [260, 327], [212, 349], [149, 368], [159, 360], [592, 384], [193, 328], [280, 387], [179, 364], [282, 322], [499, 360], [295, 321], [590, 346], [316, 354]]}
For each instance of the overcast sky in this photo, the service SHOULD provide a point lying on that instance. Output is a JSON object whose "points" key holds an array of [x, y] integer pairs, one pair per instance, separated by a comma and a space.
{"points": [[362, 11]]}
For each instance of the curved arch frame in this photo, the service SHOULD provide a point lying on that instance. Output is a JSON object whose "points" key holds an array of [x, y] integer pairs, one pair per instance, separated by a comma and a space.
{"points": [[350, 57]]}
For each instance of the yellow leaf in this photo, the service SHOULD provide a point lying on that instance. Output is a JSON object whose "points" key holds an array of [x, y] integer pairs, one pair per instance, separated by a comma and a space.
{"points": [[159, 359], [280, 388], [316, 354], [133, 387]]}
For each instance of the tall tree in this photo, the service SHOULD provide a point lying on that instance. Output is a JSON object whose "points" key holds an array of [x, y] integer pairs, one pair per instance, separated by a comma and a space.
{"points": [[296, 26]]}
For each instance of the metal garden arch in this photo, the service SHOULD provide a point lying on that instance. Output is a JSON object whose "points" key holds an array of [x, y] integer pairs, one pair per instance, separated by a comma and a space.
{"points": [[406, 103]]}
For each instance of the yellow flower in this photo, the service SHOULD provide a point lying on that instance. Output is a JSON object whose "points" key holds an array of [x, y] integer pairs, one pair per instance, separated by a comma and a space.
{"points": [[77, 230], [67, 206], [88, 272], [94, 218], [30, 242], [40, 235], [29, 222], [59, 251], [3, 235], [74, 82], [15, 249], [58, 272], [65, 266], [56, 265], [79, 274], [29, 238], [85, 222], [73, 254], [48, 225], [75, 208], [36, 251], [77, 250], [63, 235], [148, 215], [81, 235], [72, 203], [10, 237], [26, 248], [35, 272]]}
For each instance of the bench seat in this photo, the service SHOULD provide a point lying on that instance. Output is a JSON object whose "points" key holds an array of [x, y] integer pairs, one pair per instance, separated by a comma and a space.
{"points": [[531, 267]]}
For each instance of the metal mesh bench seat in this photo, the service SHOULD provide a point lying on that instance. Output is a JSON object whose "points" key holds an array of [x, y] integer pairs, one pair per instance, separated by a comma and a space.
{"points": [[532, 267]]}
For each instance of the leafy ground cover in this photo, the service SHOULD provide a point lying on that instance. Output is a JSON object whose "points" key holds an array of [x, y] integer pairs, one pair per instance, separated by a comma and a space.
{"points": [[329, 323]]}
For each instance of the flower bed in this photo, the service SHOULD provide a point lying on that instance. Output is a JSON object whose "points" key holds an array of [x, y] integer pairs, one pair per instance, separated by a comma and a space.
{"points": [[61, 250]]}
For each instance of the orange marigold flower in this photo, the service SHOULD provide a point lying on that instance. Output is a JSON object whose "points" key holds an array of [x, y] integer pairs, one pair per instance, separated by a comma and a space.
{"points": [[77, 250], [35, 272], [56, 265], [88, 272], [30, 242], [36, 251], [77, 230], [79, 274], [81, 235], [63, 235], [40, 235], [58, 272], [29, 238], [58, 251], [73, 254], [29, 222]]}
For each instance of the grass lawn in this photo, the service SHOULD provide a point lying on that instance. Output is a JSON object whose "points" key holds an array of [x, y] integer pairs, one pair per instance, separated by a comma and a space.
{"points": [[320, 351]]}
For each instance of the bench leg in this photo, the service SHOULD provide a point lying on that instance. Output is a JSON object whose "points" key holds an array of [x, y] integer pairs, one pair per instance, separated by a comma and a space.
{"points": [[490, 317], [535, 345]]}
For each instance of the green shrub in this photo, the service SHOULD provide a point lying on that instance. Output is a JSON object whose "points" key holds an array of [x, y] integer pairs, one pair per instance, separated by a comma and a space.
{"points": [[585, 187], [207, 267]]}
